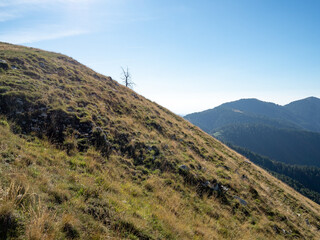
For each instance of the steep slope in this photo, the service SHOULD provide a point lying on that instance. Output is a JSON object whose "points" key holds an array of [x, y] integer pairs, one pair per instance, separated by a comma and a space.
{"points": [[308, 110], [84, 157], [284, 145]]}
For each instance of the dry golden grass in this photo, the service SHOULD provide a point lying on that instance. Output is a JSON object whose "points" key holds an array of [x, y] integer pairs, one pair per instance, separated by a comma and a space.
{"points": [[42, 224], [55, 193]]}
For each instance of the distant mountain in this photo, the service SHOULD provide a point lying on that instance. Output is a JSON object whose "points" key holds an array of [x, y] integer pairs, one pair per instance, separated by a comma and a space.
{"points": [[211, 120], [257, 108], [309, 112], [296, 115], [289, 134]]}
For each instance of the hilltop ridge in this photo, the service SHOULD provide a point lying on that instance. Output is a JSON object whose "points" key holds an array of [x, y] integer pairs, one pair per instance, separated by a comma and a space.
{"points": [[83, 157], [301, 114]]}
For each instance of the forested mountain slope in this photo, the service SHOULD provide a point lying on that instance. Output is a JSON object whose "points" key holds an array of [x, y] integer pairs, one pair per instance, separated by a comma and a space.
{"points": [[284, 145], [304, 179], [308, 110]]}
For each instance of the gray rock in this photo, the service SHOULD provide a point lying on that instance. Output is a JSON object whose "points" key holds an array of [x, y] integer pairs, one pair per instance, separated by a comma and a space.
{"points": [[208, 184], [243, 202], [4, 65], [224, 188], [215, 187], [135, 96], [276, 229], [43, 115], [307, 222], [184, 167], [226, 167], [244, 177]]}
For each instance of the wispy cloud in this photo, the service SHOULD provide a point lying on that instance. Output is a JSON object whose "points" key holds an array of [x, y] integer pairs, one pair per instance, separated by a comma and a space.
{"points": [[29, 21], [31, 36], [5, 16], [49, 19], [7, 3]]}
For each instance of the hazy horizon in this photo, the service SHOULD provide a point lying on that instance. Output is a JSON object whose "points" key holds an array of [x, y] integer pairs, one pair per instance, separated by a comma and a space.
{"points": [[188, 56]]}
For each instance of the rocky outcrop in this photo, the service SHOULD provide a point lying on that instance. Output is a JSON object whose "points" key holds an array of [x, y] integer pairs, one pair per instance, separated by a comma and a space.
{"points": [[56, 124], [4, 65]]}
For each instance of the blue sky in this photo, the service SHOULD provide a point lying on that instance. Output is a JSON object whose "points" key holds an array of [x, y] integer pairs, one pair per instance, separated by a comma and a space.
{"points": [[185, 55]]}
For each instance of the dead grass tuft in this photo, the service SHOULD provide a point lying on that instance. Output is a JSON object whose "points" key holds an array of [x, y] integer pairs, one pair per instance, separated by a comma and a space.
{"points": [[42, 223]]}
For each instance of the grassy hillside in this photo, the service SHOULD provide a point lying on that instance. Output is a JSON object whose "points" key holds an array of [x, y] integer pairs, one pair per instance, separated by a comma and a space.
{"points": [[82, 157]]}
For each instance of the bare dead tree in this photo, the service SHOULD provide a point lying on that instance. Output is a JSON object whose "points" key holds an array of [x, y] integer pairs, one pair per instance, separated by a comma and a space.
{"points": [[126, 77]]}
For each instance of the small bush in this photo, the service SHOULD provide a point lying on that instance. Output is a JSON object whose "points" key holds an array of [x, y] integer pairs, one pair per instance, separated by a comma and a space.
{"points": [[9, 221], [71, 145], [68, 227], [4, 123], [59, 195], [149, 187], [70, 230], [16, 129], [130, 230]]}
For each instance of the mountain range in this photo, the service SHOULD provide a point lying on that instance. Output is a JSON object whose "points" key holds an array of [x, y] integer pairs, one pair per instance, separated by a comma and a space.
{"points": [[288, 134], [302, 114], [286, 137]]}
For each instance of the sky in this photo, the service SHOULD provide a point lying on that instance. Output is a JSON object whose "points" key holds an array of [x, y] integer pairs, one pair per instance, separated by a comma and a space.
{"points": [[187, 55]]}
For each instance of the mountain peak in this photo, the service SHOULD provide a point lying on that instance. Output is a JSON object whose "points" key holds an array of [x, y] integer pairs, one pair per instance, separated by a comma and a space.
{"points": [[306, 100], [248, 104]]}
